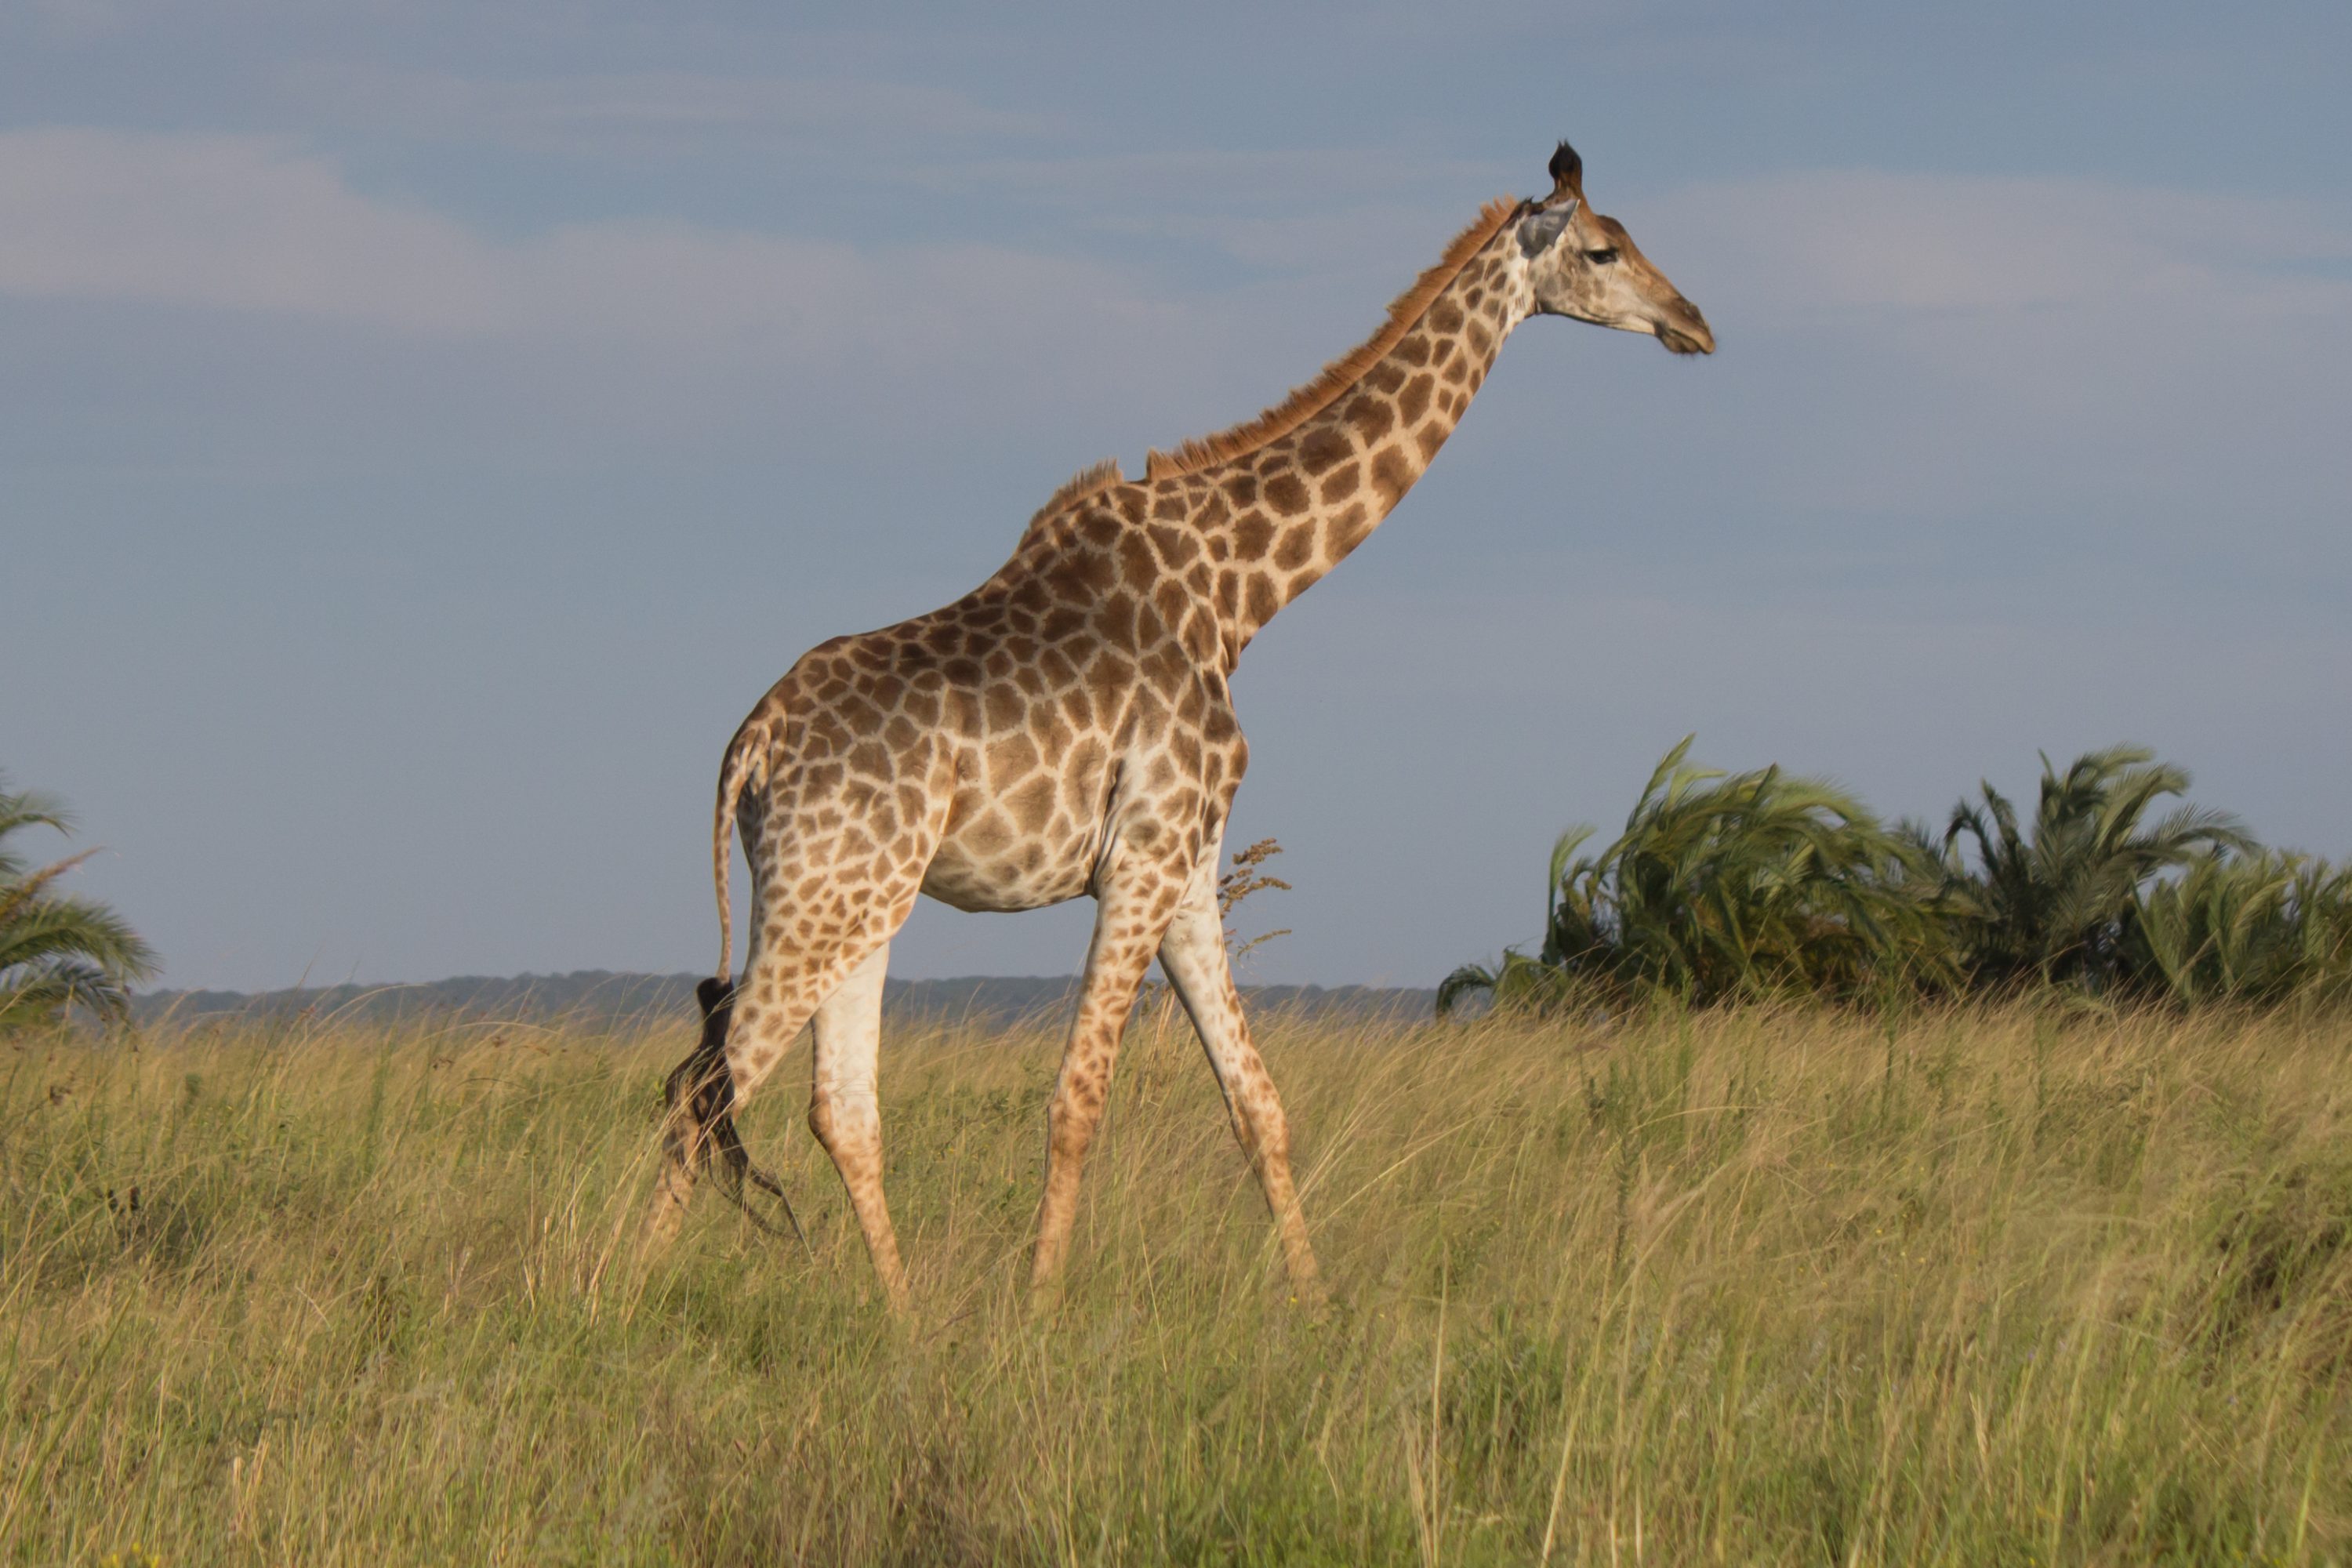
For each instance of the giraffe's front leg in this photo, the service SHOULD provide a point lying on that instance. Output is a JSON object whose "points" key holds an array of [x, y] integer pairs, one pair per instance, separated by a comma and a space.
{"points": [[1194, 955], [1136, 908]]}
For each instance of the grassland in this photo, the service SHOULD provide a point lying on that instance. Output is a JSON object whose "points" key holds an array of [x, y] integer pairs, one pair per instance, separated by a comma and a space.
{"points": [[1980, 1287]]}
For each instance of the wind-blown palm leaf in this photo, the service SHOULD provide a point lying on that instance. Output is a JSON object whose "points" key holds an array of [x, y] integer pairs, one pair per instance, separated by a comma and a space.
{"points": [[20, 811], [1761, 884], [58, 951], [2259, 927], [2052, 899], [1724, 885]]}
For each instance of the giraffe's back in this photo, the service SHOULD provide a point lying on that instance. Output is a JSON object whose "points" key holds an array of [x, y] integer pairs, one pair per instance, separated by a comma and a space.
{"points": [[996, 738]]}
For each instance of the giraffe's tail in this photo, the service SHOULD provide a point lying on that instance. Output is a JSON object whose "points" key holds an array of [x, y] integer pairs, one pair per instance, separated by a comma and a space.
{"points": [[746, 754], [701, 1093], [701, 1096]]}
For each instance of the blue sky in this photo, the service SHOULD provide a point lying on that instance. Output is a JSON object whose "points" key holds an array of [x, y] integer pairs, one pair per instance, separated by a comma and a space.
{"points": [[426, 429]]}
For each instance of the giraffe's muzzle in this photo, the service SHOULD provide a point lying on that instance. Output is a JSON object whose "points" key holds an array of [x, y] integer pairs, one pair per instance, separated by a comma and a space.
{"points": [[1683, 330]]}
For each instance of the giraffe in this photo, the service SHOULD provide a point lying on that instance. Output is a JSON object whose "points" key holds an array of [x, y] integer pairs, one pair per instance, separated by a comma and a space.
{"points": [[1067, 728]]}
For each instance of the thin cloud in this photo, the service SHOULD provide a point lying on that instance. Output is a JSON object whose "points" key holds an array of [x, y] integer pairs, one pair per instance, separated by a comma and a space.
{"points": [[1298, 211], [1255, 182], [242, 223], [642, 111], [79, 21], [229, 223], [1948, 317], [1818, 242], [2027, 342]]}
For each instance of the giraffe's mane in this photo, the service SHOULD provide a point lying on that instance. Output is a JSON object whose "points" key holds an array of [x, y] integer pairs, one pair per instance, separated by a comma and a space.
{"points": [[1335, 378], [1092, 479]]}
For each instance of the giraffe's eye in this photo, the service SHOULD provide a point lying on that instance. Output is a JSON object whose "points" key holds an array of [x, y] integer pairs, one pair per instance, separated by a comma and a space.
{"points": [[1602, 257]]}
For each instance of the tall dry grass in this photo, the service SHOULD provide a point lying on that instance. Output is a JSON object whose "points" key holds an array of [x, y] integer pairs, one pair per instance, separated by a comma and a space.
{"points": [[1978, 1288]]}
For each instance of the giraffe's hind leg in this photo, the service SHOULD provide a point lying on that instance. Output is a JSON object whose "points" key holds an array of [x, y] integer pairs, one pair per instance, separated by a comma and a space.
{"points": [[846, 1116], [1194, 955], [747, 1029]]}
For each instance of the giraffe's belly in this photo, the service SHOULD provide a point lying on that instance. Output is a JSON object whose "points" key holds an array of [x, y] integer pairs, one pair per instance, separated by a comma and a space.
{"points": [[1026, 823], [975, 871]]}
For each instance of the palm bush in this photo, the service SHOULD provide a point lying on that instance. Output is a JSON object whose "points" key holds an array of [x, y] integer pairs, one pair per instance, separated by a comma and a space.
{"points": [[2053, 899], [1725, 885], [2257, 927], [1760, 884], [57, 950]]}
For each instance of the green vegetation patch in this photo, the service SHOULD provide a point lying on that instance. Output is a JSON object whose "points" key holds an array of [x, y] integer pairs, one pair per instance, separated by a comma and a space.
{"points": [[1764, 885], [1757, 1285]]}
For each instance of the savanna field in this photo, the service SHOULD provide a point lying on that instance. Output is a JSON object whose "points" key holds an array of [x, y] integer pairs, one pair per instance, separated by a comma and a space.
{"points": [[2044, 1284]]}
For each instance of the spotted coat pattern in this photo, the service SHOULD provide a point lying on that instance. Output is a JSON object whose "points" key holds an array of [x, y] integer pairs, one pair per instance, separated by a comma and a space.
{"points": [[1067, 728]]}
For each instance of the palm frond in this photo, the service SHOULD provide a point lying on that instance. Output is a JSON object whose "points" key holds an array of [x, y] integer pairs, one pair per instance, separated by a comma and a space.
{"points": [[58, 952], [1766, 883]]}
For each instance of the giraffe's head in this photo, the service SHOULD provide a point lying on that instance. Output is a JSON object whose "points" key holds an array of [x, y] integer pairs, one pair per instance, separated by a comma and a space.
{"points": [[1582, 264]]}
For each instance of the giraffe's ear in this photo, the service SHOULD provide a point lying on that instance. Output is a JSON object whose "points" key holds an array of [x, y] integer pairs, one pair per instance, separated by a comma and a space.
{"points": [[1542, 229]]}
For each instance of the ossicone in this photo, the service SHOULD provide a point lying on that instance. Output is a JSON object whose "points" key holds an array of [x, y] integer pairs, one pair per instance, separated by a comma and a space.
{"points": [[1567, 172]]}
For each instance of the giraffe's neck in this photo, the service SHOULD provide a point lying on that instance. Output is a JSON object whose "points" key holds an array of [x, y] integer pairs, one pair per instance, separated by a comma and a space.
{"points": [[1276, 518]]}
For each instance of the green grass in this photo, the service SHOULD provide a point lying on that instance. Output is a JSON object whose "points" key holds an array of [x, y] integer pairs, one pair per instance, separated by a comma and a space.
{"points": [[1752, 1287]]}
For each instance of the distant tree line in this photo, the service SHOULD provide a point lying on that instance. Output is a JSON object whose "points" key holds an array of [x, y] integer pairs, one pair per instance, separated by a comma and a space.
{"points": [[1728, 886]]}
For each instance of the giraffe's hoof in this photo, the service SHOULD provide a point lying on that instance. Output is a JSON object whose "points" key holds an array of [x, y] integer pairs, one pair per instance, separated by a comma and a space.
{"points": [[1045, 1299]]}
